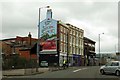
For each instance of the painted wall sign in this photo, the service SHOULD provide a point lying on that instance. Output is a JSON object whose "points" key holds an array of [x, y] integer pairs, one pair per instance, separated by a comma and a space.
{"points": [[48, 35]]}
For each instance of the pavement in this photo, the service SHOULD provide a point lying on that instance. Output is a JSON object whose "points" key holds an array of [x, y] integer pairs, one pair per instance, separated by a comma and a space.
{"points": [[32, 71], [22, 72]]}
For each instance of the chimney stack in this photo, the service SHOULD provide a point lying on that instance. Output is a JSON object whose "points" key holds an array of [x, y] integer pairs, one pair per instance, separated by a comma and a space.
{"points": [[29, 38], [49, 14]]}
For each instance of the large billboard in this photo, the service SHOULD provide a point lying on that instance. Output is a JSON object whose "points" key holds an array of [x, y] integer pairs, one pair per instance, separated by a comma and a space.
{"points": [[48, 35]]}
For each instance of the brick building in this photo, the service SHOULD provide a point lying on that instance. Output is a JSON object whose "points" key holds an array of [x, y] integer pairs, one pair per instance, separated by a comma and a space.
{"points": [[60, 41], [76, 45], [89, 51], [20, 45]]}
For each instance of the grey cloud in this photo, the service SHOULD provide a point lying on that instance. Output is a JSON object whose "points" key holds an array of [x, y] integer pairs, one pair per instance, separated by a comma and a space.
{"points": [[21, 18], [98, 14]]}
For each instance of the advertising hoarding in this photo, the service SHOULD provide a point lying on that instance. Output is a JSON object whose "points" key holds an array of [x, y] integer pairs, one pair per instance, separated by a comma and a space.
{"points": [[48, 35]]}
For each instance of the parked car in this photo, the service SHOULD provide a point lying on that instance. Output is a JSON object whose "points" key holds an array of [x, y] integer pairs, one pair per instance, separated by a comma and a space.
{"points": [[111, 67]]}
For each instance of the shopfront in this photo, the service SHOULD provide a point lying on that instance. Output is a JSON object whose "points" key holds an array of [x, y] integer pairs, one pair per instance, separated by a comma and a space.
{"points": [[48, 60], [62, 57], [77, 60]]}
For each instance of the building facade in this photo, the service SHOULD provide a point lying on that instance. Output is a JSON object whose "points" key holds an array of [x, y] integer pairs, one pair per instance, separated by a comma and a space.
{"points": [[60, 41], [89, 52], [18, 46], [76, 45], [118, 56], [63, 43]]}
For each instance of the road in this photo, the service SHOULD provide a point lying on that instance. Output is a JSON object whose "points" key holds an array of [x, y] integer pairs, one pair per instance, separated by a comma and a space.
{"points": [[73, 72]]}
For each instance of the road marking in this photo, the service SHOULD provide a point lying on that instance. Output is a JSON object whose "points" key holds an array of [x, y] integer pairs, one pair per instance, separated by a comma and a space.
{"points": [[79, 69], [84, 68]]}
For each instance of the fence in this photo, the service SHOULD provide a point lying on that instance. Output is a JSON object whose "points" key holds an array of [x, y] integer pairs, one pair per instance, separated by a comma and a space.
{"points": [[16, 62]]}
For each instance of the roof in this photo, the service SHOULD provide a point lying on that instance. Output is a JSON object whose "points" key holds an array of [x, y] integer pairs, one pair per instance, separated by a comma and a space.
{"points": [[60, 22], [32, 49], [85, 38], [74, 27], [8, 39]]}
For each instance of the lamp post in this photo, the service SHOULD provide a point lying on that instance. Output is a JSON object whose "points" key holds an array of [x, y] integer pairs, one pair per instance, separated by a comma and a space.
{"points": [[99, 50], [115, 48], [38, 42], [67, 51]]}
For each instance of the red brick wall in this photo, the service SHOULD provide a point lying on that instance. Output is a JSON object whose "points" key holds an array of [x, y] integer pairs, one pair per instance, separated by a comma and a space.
{"points": [[34, 56], [20, 41], [26, 39], [6, 48], [25, 54]]}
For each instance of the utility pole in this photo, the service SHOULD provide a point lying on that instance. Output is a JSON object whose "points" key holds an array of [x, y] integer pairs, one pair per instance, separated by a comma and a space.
{"points": [[99, 50], [67, 50], [38, 42]]}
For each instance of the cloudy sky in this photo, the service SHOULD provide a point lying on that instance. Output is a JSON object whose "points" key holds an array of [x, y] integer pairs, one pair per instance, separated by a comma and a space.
{"points": [[20, 18]]}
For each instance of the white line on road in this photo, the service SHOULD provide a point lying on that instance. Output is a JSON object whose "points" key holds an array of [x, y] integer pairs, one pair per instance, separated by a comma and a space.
{"points": [[79, 69], [84, 68]]}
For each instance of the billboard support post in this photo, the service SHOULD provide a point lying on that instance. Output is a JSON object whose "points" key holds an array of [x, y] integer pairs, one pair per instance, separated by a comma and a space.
{"points": [[38, 42]]}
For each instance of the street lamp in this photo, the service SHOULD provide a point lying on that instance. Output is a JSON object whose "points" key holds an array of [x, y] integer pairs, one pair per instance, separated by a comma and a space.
{"points": [[99, 49], [67, 50], [38, 42]]}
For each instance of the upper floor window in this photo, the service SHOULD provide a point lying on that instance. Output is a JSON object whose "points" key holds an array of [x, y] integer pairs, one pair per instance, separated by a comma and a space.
{"points": [[71, 31], [61, 28], [61, 37], [24, 42]]}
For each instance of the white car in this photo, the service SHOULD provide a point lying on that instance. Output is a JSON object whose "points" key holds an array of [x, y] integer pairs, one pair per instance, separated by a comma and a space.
{"points": [[111, 67]]}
